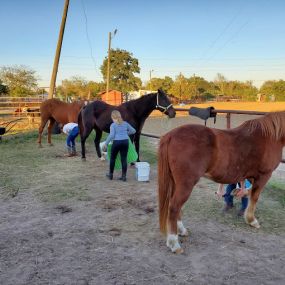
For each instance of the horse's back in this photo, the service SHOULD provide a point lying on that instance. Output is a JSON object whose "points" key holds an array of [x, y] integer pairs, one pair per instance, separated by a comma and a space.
{"points": [[190, 147]]}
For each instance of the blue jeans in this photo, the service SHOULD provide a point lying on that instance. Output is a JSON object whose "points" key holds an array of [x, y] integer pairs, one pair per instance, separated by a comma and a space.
{"points": [[229, 198], [70, 141]]}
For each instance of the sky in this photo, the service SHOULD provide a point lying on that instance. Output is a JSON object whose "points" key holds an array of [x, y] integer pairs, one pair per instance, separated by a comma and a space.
{"points": [[241, 39]]}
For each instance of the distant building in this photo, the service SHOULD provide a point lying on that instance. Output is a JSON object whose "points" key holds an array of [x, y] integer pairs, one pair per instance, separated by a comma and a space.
{"points": [[137, 94], [113, 97]]}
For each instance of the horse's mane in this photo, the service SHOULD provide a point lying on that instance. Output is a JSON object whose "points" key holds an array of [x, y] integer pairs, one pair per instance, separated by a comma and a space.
{"points": [[271, 125], [140, 99]]}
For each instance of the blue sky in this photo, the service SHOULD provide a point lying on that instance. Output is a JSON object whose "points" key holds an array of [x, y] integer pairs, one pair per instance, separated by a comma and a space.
{"points": [[242, 39]]}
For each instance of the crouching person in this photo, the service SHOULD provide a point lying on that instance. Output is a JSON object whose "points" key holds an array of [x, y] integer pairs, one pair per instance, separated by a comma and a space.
{"points": [[72, 131]]}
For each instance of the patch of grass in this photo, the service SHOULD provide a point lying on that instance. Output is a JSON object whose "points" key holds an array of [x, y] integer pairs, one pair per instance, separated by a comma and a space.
{"points": [[147, 151], [275, 190]]}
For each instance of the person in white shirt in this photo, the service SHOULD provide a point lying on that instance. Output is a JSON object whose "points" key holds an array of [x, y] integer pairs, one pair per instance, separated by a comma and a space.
{"points": [[72, 131]]}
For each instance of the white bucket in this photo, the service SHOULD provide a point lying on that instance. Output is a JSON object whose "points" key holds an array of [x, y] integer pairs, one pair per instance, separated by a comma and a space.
{"points": [[142, 171]]}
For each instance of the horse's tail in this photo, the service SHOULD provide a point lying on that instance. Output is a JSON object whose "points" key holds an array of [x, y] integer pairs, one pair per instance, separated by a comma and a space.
{"points": [[165, 182]]}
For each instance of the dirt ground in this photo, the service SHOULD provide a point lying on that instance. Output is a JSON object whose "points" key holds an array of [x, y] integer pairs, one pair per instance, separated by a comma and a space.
{"points": [[63, 222]]}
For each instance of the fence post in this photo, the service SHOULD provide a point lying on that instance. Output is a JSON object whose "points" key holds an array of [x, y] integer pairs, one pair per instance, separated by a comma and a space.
{"points": [[228, 120]]}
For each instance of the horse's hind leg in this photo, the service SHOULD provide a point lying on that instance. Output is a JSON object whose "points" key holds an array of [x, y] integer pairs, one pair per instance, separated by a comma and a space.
{"points": [[255, 192], [50, 126], [41, 128], [175, 226], [84, 133], [97, 141]]}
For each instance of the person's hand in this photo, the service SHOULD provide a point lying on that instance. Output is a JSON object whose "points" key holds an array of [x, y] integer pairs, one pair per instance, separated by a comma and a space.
{"points": [[104, 147], [241, 193]]}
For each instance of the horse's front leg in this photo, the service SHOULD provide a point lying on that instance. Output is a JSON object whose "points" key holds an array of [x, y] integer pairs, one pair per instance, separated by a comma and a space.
{"points": [[97, 140], [257, 187]]}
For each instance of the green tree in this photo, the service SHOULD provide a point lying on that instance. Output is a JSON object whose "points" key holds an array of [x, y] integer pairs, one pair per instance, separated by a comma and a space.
{"points": [[77, 87], [181, 88], [273, 89], [164, 83], [3, 89], [123, 67], [20, 80]]}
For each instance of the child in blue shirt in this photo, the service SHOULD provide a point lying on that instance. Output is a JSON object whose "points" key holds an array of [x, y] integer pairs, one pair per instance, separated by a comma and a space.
{"points": [[240, 190]]}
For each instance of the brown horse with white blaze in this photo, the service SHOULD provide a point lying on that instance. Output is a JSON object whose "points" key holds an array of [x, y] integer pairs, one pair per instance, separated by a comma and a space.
{"points": [[250, 151], [54, 110]]}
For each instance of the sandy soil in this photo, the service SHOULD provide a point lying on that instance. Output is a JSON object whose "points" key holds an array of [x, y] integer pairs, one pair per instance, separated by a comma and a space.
{"points": [[110, 234]]}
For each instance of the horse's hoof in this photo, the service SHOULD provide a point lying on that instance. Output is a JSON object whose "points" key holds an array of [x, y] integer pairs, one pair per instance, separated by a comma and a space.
{"points": [[83, 158], [102, 158], [51, 144], [255, 224], [184, 233], [178, 251], [40, 145]]}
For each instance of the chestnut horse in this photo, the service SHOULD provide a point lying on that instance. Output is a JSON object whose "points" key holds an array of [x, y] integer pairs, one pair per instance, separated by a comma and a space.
{"points": [[54, 110], [97, 116], [250, 151]]}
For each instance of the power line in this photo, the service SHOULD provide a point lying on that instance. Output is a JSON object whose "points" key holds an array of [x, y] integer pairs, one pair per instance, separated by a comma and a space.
{"points": [[87, 36]]}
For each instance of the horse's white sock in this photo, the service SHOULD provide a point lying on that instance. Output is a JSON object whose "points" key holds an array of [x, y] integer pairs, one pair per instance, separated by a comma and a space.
{"points": [[181, 229], [172, 242]]}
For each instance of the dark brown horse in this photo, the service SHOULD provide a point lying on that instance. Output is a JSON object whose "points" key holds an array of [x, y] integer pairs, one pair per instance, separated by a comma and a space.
{"points": [[97, 116], [54, 110], [250, 151]]}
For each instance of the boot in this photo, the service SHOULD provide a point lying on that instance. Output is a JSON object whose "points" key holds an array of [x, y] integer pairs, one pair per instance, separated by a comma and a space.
{"points": [[123, 178], [109, 175], [69, 151], [73, 150]]}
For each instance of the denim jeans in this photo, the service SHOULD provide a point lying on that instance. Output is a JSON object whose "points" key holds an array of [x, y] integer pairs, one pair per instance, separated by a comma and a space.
{"points": [[229, 198], [70, 141]]}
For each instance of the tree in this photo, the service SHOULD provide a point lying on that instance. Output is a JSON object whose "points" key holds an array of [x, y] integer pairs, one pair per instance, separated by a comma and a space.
{"points": [[274, 89], [20, 80], [123, 66], [164, 83], [181, 88], [3, 89], [78, 87]]}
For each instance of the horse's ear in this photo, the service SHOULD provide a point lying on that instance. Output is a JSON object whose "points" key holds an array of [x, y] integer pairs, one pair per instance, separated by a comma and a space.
{"points": [[160, 91]]}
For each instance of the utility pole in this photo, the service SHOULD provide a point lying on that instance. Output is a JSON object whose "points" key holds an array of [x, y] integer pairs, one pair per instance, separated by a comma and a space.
{"points": [[58, 50], [150, 78], [108, 64]]}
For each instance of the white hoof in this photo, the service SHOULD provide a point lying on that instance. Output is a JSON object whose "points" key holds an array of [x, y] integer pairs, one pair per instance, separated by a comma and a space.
{"points": [[255, 224], [102, 158], [182, 231], [173, 244]]}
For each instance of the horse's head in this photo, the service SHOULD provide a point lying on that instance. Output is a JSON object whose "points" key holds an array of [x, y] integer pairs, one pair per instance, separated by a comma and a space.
{"points": [[164, 105]]}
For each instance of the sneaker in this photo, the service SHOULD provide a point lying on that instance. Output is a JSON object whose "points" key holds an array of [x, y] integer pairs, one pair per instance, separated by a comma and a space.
{"points": [[227, 208], [240, 213], [110, 176]]}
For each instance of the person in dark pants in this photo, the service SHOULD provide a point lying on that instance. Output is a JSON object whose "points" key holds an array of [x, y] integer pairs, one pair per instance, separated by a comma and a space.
{"points": [[72, 131], [119, 134]]}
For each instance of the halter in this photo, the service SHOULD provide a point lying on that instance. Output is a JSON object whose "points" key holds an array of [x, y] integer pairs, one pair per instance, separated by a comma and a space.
{"points": [[162, 107]]}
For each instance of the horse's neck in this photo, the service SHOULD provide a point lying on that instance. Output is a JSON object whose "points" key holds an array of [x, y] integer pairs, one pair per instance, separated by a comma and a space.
{"points": [[145, 105]]}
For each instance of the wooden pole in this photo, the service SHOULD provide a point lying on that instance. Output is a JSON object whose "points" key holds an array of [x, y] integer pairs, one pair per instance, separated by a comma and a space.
{"points": [[58, 50], [108, 67]]}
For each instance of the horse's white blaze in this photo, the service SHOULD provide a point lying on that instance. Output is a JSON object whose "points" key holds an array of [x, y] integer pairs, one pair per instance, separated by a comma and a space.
{"points": [[181, 229], [172, 242]]}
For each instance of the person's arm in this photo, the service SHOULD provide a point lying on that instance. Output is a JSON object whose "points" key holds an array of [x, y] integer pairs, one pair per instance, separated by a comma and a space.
{"points": [[111, 136], [130, 129]]}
